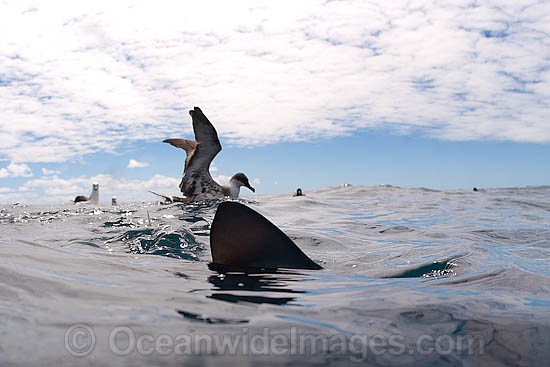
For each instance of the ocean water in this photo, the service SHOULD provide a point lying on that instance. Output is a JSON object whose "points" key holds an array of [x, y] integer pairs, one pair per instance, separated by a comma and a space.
{"points": [[411, 277]]}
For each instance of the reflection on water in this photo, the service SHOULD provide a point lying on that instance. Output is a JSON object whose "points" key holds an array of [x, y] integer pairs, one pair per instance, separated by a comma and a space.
{"points": [[251, 281], [209, 320]]}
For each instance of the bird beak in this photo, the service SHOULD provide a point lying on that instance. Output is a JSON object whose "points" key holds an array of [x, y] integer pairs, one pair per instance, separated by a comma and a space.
{"points": [[251, 188]]}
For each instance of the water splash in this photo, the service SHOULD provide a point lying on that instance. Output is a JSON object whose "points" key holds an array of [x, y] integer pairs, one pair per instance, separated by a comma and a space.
{"points": [[164, 241]]}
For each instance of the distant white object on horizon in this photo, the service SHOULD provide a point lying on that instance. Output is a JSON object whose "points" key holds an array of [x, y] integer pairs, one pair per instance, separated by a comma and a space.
{"points": [[113, 201], [94, 197], [197, 184]]}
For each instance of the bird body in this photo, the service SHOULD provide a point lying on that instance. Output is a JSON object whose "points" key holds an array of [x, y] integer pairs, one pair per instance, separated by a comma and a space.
{"points": [[93, 198]]}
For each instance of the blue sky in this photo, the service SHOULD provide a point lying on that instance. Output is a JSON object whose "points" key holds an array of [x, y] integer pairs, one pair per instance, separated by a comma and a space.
{"points": [[303, 94]]}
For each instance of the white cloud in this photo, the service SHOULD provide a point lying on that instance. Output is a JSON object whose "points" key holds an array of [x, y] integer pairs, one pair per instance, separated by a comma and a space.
{"points": [[52, 189], [267, 71], [15, 170], [49, 172], [221, 179], [14, 197], [135, 164], [257, 181], [4, 190]]}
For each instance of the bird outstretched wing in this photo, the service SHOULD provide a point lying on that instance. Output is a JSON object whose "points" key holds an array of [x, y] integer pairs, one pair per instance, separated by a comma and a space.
{"points": [[200, 153], [188, 145]]}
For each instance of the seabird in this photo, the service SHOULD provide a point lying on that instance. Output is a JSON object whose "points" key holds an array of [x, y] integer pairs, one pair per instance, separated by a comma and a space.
{"points": [[94, 197], [197, 184]]}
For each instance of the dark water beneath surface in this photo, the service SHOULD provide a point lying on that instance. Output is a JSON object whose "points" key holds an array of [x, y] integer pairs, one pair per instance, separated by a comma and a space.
{"points": [[412, 277]]}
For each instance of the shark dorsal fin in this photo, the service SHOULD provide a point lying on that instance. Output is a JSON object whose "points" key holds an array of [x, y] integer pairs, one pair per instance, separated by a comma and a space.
{"points": [[240, 236]]}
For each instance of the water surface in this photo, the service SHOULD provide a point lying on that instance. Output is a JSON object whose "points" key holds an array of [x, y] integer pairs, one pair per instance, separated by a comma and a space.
{"points": [[411, 276]]}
